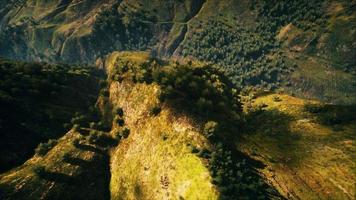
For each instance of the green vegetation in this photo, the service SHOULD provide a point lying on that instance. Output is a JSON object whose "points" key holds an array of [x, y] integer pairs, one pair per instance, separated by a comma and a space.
{"points": [[260, 43], [332, 114], [247, 57], [43, 148], [207, 124], [185, 85], [119, 111], [125, 133], [178, 128], [68, 171], [298, 146], [156, 110], [288, 44], [204, 93], [119, 120], [36, 99], [124, 23], [301, 13], [101, 139], [156, 158], [237, 178], [210, 129]]}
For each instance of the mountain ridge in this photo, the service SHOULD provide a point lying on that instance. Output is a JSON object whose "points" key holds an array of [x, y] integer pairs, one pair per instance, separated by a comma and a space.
{"points": [[181, 99]]}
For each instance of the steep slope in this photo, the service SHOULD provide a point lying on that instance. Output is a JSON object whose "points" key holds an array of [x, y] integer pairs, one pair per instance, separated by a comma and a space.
{"points": [[155, 161], [82, 31], [324, 55], [308, 147], [159, 146], [185, 116], [277, 45], [172, 129], [70, 170], [37, 100]]}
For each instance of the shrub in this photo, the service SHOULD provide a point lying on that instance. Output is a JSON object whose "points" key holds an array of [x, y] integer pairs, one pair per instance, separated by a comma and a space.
{"points": [[276, 99], [313, 108], [93, 125], [210, 129], [103, 83], [66, 125], [331, 118], [162, 97], [76, 127], [217, 180], [93, 111], [125, 133], [119, 121], [76, 142], [204, 153], [155, 110], [202, 90], [117, 134], [79, 119], [93, 136], [103, 127], [99, 138], [119, 111], [39, 170], [66, 157], [194, 149], [164, 136], [43, 148], [104, 92]]}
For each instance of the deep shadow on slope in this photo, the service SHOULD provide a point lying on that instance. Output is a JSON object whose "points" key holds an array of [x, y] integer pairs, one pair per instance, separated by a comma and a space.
{"points": [[276, 126], [36, 100], [68, 171], [306, 145], [235, 173]]}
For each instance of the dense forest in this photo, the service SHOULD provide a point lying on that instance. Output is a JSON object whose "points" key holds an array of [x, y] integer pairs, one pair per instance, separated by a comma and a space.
{"points": [[37, 101]]}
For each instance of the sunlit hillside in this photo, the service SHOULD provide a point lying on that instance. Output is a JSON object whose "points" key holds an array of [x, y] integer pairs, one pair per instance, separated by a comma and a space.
{"points": [[178, 99]]}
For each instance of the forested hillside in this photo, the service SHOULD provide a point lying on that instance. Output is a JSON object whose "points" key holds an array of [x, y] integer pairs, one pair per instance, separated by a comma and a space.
{"points": [[37, 102], [177, 99], [169, 129], [147, 102], [256, 43]]}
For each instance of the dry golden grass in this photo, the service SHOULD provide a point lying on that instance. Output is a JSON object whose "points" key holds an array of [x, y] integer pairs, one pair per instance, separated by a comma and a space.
{"points": [[155, 161], [305, 159]]}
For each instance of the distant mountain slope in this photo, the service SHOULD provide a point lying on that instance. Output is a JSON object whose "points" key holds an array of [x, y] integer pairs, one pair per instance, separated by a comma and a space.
{"points": [[255, 42], [81, 31]]}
